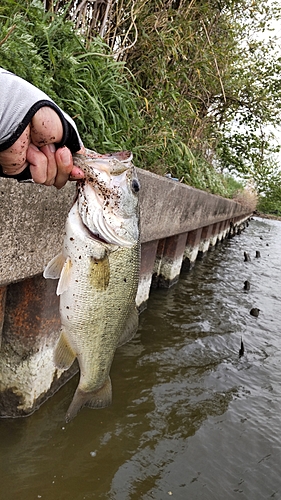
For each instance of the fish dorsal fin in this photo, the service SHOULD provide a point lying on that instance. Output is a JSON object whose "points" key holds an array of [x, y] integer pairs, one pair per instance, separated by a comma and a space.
{"points": [[64, 354], [64, 280], [54, 267], [131, 327]]}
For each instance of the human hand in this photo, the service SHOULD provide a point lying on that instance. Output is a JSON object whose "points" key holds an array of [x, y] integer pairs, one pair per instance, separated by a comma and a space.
{"points": [[36, 147]]}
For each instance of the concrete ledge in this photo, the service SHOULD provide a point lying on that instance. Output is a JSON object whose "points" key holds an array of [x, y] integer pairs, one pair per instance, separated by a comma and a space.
{"points": [[169, 207], [33, 218], [178, 225], [31, 227]]}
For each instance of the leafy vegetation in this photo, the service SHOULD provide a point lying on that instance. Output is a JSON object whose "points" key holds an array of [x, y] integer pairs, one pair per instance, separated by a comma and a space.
{"points": [[192, 87], [88, 83], [214, 84], [270, 201]]}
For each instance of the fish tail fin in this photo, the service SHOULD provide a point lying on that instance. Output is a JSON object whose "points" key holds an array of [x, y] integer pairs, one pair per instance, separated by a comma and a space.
{"points": [[94, 399]]}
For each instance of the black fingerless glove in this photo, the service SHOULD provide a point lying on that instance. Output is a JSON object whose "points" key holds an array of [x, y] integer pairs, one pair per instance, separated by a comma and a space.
{"points": [[19, 101]]}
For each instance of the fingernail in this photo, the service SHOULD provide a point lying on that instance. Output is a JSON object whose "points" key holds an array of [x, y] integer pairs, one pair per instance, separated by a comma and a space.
{"points": [[65, 157], [52, 148], [32, 146], [76, 174]]}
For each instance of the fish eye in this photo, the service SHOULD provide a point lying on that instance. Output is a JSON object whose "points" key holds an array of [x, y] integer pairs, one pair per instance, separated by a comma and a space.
{"points": [[135, 186]]}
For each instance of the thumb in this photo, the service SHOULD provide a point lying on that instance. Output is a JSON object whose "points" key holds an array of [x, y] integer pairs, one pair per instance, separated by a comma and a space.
{"points": [[64, 166]]}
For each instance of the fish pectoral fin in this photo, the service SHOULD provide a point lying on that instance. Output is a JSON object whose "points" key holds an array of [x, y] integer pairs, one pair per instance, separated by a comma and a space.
{"points": [[131, 327], [94, 399], [54, 267], [64, 354], [64, 280], [58, 267]]}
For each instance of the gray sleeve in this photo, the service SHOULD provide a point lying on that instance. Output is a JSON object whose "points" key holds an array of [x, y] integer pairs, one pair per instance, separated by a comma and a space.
{"points": [[19, 101]]}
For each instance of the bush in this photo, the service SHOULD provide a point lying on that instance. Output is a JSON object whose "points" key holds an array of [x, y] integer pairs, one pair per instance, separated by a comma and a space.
{"points": [[88, 84]]}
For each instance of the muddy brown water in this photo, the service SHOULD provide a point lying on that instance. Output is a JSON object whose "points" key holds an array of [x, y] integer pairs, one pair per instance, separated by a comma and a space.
{"points": [[190, 419]]}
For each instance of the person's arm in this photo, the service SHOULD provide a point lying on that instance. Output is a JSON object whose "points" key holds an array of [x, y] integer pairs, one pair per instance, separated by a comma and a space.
{"points": [[36, 136]]}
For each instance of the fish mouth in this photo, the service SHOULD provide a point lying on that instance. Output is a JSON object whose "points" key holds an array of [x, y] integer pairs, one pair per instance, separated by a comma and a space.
{"points": [[105, 171], [112, 163], [107, 202]]}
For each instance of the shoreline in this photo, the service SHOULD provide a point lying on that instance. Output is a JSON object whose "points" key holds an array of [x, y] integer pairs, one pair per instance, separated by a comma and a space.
{"points": [[267, 216]]}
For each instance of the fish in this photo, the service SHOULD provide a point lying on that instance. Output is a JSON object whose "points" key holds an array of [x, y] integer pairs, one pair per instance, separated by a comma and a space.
{"points": [[98, 272]]}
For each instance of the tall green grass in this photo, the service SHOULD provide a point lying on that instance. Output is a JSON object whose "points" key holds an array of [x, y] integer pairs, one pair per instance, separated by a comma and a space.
{"points": [[87, 83], [100, 94]]}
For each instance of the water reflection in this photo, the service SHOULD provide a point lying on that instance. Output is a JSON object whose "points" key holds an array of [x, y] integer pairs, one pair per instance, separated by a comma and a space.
{"points": [[190, 419]]}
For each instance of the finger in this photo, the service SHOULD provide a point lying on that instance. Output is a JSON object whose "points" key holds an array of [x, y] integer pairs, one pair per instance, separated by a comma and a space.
{"points": [[76, 174], [38, 164], [52, 170], [13, 160], [46, 127], [64, 165]]}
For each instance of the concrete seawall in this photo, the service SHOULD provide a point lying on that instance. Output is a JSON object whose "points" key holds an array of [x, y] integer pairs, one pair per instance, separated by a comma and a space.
{"points": [[178, 225]]}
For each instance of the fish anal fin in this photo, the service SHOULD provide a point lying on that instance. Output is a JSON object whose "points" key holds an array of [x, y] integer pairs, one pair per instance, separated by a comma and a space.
{"points": [[64, 356], [54, 267], [64, 280], [94, 399], [131, 327]]}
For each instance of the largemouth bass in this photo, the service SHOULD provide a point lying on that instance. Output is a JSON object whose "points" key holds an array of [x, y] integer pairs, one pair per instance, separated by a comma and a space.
{"points": [[98, 273]]}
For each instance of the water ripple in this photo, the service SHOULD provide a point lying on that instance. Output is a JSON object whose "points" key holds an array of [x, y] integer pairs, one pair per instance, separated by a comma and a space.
{"points": [[190, 419]]}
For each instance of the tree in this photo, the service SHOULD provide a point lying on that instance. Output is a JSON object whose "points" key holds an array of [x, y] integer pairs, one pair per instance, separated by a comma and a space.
{"points": [[270, 199], [190, 86]]}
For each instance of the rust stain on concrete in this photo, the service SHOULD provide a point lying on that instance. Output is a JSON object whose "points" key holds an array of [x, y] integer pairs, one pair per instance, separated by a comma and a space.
{"points": [[32, 311]]}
